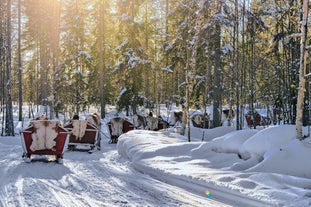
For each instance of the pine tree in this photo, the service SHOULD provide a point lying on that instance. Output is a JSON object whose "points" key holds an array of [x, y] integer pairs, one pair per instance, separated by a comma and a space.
{"points": [[76, 60], [9, 124], [131, 55]]}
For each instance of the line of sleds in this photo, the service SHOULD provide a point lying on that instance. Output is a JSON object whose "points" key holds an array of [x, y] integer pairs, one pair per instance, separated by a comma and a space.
{"points": [[50, 137], [118, 125]]}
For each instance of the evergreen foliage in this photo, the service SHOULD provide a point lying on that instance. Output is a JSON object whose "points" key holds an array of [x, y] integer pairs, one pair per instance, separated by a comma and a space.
{"points": [[77, 53]]}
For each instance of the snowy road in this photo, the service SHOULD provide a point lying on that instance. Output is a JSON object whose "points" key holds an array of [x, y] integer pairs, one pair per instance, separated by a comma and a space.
{"points": [[99, 179]]}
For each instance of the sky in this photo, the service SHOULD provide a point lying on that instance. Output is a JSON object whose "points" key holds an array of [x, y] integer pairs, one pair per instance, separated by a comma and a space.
{"points": [[262, 167]]}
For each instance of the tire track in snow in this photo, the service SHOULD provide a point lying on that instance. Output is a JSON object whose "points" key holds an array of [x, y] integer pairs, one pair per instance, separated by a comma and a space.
{"points": [[153, 191]]}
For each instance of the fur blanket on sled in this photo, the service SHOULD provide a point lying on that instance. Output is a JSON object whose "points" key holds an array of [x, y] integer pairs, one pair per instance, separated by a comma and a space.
{"points": [[78, 128], [116, 126], [44, 135]]}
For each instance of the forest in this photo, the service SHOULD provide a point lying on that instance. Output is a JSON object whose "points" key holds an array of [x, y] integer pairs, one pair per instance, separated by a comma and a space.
{"points": [[69, 55]]}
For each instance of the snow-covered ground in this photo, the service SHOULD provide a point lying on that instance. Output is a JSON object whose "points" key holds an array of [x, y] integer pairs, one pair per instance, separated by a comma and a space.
{"points": [[266, 167], [99, 179], [263, 167]]}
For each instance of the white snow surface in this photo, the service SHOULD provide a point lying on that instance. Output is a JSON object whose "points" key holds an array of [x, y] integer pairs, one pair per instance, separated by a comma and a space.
{"points": [[250, 167]]}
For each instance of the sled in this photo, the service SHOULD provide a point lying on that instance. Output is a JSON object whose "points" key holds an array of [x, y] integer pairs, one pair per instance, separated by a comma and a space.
{"points": [[125, 126], [149, 122], [162, 124], [257, 120], [88, 140], [44, 137], [199, 122]]}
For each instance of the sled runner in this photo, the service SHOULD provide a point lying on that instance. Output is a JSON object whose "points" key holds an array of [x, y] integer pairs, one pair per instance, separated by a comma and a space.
{"points": [[44, 137], [118, 126], [84, 136]]}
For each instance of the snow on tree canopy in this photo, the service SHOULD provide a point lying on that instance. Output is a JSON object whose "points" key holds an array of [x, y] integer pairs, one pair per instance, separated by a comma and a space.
{"points": [[125, 17], [83, 53], [220, 18], [133, 60], [168, 47], [168, 69], [227, 49], [78, 71], [199, 77], [122, 44], [50, 98], [264, 22], [123, 90]]}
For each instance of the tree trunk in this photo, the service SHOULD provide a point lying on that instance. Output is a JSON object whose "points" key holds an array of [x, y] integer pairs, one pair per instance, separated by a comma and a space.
{"points": [[9, 124], [2, 66], [101, 61], [20, 91], [236, 66], [217, 80], [302, 71]]}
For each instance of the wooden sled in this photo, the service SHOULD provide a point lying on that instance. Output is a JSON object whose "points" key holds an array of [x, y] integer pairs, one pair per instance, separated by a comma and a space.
{"points": [[31, 140], [162, 125], [198, 121], [257, 120], [90, 141], [126, 126]]}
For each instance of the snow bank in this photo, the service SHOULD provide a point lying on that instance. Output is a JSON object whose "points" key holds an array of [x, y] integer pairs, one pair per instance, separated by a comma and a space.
{"points": [[210, 134], [266, 139], [294, 154], [231, 142], [275, 171]]}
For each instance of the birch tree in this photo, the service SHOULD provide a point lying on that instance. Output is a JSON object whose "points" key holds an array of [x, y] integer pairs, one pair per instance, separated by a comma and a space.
{"points": [[302, 70]]}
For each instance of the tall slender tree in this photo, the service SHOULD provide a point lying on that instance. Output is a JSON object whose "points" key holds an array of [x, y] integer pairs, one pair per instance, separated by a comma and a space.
{"points": [[20, 90], [217, 89], [101, 59], [2, 63], [9, 122], [302, 69]]}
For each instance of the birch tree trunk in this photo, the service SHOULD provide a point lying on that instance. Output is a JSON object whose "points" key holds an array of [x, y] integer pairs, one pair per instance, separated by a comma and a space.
{"points": [[302, 71]]}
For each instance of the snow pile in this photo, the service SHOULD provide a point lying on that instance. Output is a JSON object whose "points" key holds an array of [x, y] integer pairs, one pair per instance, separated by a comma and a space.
{"points": [[266, 139], [266, 165]]}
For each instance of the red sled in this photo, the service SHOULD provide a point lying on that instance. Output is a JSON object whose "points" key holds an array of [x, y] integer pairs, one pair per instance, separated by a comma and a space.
{"points": [[44, 137], [118, 126], [81, 138]]}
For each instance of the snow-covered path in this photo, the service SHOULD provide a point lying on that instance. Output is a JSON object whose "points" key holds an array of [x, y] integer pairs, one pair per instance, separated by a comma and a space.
{"points": [[99, 179]]}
